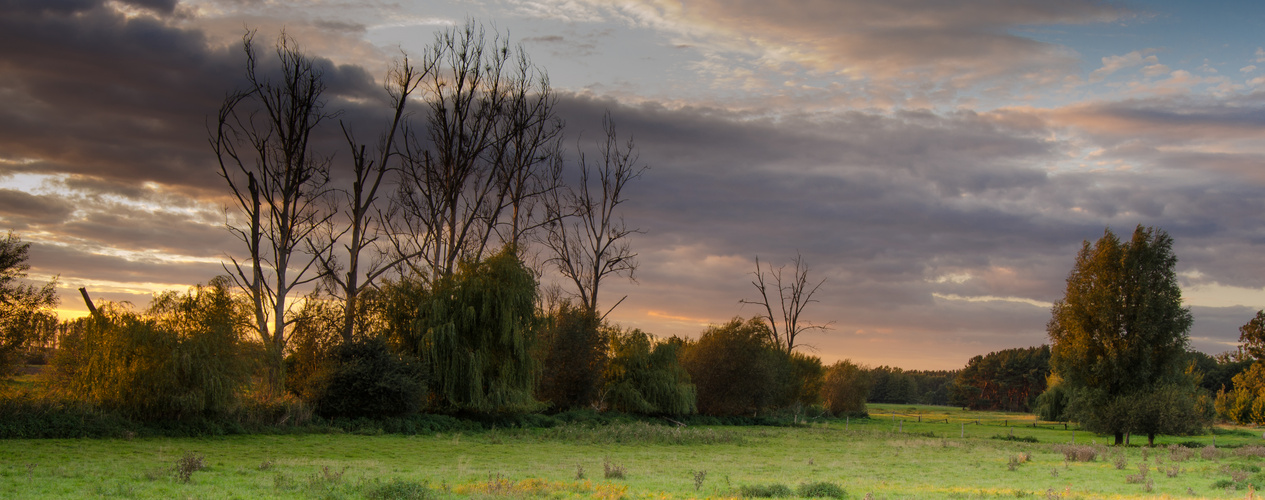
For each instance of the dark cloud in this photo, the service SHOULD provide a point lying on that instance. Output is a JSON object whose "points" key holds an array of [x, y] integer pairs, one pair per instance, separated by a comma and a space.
{"points": [[75, 265], [20, 209], [893, 208], [99, 95]]}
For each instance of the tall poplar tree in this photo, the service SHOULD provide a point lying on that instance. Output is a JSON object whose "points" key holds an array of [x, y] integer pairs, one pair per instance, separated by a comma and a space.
{"points": [[1119, 334]]}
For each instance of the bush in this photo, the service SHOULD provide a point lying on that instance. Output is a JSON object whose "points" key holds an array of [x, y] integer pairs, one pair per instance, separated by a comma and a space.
{"points": [[821, 490], [368, 379], [775, 490]]}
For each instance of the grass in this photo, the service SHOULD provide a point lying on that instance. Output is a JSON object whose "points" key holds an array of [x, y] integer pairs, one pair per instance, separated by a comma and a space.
{"points": [[849, 459]]}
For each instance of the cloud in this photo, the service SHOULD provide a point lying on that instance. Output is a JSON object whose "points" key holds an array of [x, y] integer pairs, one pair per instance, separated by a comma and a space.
{"points": [[1112, 64], [891, 51]]}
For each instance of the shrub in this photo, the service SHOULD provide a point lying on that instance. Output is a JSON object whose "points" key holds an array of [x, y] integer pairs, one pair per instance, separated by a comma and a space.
{"points": [[775, 490], [1012, 437], [399, 489], [821, 490], [368, 379], [187, 465]]}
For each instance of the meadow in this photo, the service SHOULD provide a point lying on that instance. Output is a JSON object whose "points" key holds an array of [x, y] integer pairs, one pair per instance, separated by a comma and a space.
{"points": [[888, 456]]}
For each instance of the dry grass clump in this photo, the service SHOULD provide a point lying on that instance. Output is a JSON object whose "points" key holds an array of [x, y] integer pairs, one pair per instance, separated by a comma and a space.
{"points": [[1077, 452], [1210, 453], [1256, 451], [613, 470], [1017, 460], [1178, 453]]}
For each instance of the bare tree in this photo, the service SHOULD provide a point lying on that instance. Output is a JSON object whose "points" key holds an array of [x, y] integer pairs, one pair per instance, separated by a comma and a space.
{"points": [[484, 152], [590, 241], [529, 152], [362, 224], [792, 295], [262, 142]]}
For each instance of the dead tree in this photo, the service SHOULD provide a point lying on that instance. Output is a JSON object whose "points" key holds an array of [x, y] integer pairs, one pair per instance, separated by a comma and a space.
{"points": [[484, 153], [792, 295], [361, 225], [262, 142], [590, 241]]}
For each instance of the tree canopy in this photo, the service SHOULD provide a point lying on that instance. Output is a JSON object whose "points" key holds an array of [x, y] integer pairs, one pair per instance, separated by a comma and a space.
{"points": [[1120, 332]]}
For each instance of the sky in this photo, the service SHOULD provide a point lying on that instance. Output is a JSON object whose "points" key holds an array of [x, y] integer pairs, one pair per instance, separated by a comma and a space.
{"points": [[938, 164]]}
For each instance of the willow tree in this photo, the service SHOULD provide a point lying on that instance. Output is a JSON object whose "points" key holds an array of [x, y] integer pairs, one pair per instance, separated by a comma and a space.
{"points": [[645, 376], [181, 358], [473, 330], [1119, 334]]}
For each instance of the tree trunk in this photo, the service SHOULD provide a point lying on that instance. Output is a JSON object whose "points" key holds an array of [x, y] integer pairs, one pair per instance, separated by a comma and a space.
{"points": [[1150, 439], [1119, 438]]}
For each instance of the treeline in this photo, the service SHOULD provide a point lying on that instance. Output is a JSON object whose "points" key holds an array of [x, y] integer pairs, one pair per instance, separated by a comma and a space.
{"points": [[477, 344]]}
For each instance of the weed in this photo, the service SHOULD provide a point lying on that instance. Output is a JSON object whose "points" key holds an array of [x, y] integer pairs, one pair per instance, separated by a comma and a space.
{"points": [[1120, 461], [399, 489], [775, 490], [1140, 477], [1251, 451], [821, 490], [1077, 453], [1054, 472], [265, 465], [810, 461], [579, 472], [1178, 453], [330, 475], [613, 470], [1237, 474], [1017, 460], [1210, 453], [187, 465], [156, 473], [30, 473], [1149, 486], [283, 482], [699, 477], [1173, 470], [1146, 454]]}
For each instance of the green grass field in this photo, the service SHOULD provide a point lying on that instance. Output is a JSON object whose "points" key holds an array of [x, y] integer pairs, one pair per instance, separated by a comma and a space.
{"points": [[881, 457]]}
